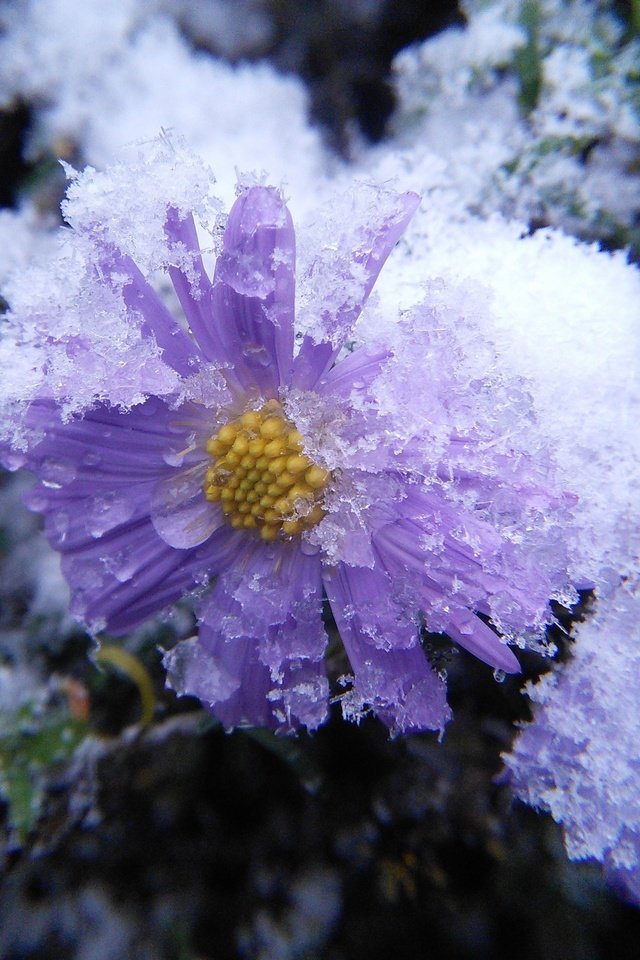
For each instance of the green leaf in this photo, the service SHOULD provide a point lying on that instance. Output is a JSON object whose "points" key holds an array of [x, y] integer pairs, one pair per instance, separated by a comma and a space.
{"points": [[33, 742], [527, 61]]}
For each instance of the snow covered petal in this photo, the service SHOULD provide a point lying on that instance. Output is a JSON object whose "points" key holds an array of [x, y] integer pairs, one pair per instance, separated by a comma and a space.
{"points": [[252, 299], [264, 640], [392, 674], [177, 349], [192, 285], [340, 270]]}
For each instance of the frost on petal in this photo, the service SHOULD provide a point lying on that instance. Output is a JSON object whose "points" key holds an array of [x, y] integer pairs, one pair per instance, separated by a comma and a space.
{"points": [[64, 338], [456, 565], [392, 676], [263, 637], [343, 253], [252, 299], [578, 758], [126, 205]]}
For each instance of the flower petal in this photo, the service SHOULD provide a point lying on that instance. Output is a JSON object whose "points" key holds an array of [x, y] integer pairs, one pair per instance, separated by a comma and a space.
{"points": [[353, 374], [451, 580], [234, 684], [351, 274], [193, 287], [392, 674], [120, 582], [97, 476], [263, 641], [475, 636], [252, 299], [180, 513], [177, 349]]}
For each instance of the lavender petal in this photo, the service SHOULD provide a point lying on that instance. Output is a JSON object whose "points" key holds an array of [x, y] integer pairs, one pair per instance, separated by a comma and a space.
{"points": [[392, 674], [252, 299]]}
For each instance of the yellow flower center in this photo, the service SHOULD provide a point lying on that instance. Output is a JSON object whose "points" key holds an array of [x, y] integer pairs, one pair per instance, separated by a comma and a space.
{"points": [[262, 477]]}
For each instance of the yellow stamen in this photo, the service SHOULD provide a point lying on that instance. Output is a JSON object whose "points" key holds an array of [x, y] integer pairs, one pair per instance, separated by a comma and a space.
{"points": [[262, 476]]}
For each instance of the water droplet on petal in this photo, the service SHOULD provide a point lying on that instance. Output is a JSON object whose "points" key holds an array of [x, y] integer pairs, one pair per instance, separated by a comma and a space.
{"points": [[122, 566], [499, 676], [35, 499], [173, 458], [148, 408], [56, 472], [61, 525], [309, 549], [256, 353], [108, 512], [12, 460]]}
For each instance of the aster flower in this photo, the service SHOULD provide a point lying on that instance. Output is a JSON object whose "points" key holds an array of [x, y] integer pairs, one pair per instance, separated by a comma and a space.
{"points": [[277, 479]]}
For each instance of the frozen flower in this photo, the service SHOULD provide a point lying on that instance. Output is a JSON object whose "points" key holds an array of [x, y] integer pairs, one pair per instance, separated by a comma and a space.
{"points": [[394, 483]]}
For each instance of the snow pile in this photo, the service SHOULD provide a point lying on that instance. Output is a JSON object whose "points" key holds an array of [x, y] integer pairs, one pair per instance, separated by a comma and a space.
{"points": [[579, 760], [531, 110]]}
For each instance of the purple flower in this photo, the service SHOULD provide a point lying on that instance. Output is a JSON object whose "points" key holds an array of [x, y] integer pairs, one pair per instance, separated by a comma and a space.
{"points": [[388, 483]]}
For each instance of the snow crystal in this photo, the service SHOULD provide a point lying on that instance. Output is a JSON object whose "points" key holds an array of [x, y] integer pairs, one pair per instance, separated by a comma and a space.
{"points": [[63, 337], [578, 759], [566, 318], [127, 205]]}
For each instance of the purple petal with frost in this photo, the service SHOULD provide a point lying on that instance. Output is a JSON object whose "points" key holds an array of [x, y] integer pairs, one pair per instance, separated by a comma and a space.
{"points": [[475, 636], [97, 476], [132, 575], [177, 349], [353, 374], [379, 236], [273, 593], [392, 674], [252, 299], [193, 287], [234, 684], [444, 582], [263, 641]]}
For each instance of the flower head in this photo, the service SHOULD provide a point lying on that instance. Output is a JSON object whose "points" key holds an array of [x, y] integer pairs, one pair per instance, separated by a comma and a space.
{"points": [[281, 472]]}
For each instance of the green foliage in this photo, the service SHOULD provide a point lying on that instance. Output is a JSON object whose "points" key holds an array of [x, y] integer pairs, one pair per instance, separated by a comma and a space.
{"points": [[33, 742], [527, 61]]}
